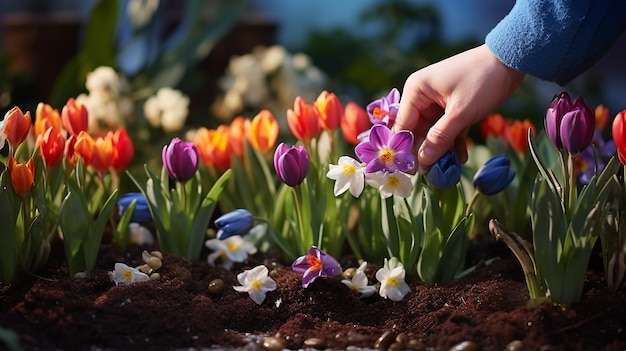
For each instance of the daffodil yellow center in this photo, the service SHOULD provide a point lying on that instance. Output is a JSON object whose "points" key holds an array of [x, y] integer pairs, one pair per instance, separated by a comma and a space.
{"points": [[314, 262], [256, 284], [128, 275], [348, 169], [393, 282], [386, 155], [232, 247], [393, 182]]}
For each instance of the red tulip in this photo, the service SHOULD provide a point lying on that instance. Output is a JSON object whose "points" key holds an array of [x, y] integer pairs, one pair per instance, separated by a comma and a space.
{"points": [[330, 110], [51, 146], [22, 175], [494, 125], [16, 126], [304, 120], [354, 122], [619, 135], [74, 117], [517, 134], [123, 149]]}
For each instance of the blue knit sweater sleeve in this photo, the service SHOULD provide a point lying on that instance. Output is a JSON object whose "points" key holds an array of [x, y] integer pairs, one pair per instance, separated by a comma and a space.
{"points": [[556, 40]]}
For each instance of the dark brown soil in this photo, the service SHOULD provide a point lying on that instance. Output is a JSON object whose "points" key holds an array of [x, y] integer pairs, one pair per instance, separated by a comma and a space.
{"points": [[488, 307]]}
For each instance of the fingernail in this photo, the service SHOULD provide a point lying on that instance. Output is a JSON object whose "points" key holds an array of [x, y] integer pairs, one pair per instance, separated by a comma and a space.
{"points": [[426, 155]]}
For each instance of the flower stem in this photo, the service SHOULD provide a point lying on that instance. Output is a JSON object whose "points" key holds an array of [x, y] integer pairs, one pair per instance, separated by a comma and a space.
{"points": [[298, 195], [471, 202], [572, 183]]}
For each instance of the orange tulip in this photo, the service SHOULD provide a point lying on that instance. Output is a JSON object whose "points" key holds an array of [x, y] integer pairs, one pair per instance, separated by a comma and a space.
{"points": [[330, 110], [84, 147], [237, 130], [74, 117], [354, 122], [262, 131], [517, 134], [214, 147], [22, 175], [46, 117], [602, 117], [494, 125], [304, 120], [102, 154], [16, 126], [123, 149], [51, 146]]}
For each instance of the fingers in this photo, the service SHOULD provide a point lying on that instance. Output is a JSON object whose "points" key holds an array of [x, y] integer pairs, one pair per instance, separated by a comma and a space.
{"points": [[448, 133]]}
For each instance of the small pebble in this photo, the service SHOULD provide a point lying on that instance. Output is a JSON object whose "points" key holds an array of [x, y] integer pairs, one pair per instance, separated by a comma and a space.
{"points": [[145, 256], [272, 343], [385, 340], [157, 254], [547, 348], [315, 343], [465, 346], [155, 276], [396, 346], [402, 338], [416, 345], [216, 286], [515, 345], [155, 262], [356, 337]]}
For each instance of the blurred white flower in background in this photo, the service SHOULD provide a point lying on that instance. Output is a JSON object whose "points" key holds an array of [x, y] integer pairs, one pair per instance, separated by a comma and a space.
{"points": [[168, 109], [267, 78], [107, 100]]}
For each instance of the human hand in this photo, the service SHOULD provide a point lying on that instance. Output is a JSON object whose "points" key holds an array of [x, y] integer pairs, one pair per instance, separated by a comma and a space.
{"points": [[440, 102]]}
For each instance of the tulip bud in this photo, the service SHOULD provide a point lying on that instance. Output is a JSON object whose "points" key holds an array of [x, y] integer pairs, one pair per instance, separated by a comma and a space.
{"points": [[446, 172], [237, 222], [51, 146], [330, 110], [570, 125], [304, 120], [619, 134], [262, 131], [123, 149], [74, 117], [22, 176], [354, 122], [494, 176], [141, 214], [45, 117], [180, 159], [16, 126], [291, 164]]}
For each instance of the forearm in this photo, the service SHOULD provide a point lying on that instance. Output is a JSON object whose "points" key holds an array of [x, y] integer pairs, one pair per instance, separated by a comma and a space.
{"points": [[556, 40]]}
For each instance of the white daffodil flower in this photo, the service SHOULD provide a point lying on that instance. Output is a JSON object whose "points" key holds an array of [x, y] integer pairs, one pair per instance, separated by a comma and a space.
{"points": [[123, 274], [230, 250], [256, 283], [390, 183], [359, 281], [348, 174], [391, 278]]}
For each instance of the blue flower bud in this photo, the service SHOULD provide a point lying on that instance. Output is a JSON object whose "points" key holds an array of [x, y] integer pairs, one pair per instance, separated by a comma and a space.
{"points": [[494, 176], [141, 214], [446, 172], [237, 222]]}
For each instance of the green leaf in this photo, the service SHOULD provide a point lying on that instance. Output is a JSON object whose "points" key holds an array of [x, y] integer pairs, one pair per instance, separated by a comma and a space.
{"points": [[8, 217], [96, 230]]}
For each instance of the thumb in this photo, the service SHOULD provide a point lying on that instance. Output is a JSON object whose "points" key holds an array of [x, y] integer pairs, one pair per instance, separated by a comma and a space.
{"points": [[440, 138]]}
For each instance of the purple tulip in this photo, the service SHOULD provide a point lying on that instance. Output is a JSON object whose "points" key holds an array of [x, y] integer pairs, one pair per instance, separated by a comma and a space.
{"points": [[385, 109], [315, 264], [386, 151], [570, 125], [291, 164], [180, 159]]}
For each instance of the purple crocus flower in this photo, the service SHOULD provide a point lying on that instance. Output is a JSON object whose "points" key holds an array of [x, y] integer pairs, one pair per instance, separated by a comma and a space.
{"points": [[291, 164], [180, 159], [386, 151], [315, 264], [385, 109], [570, 125], [237, 222], [586, 164]]}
